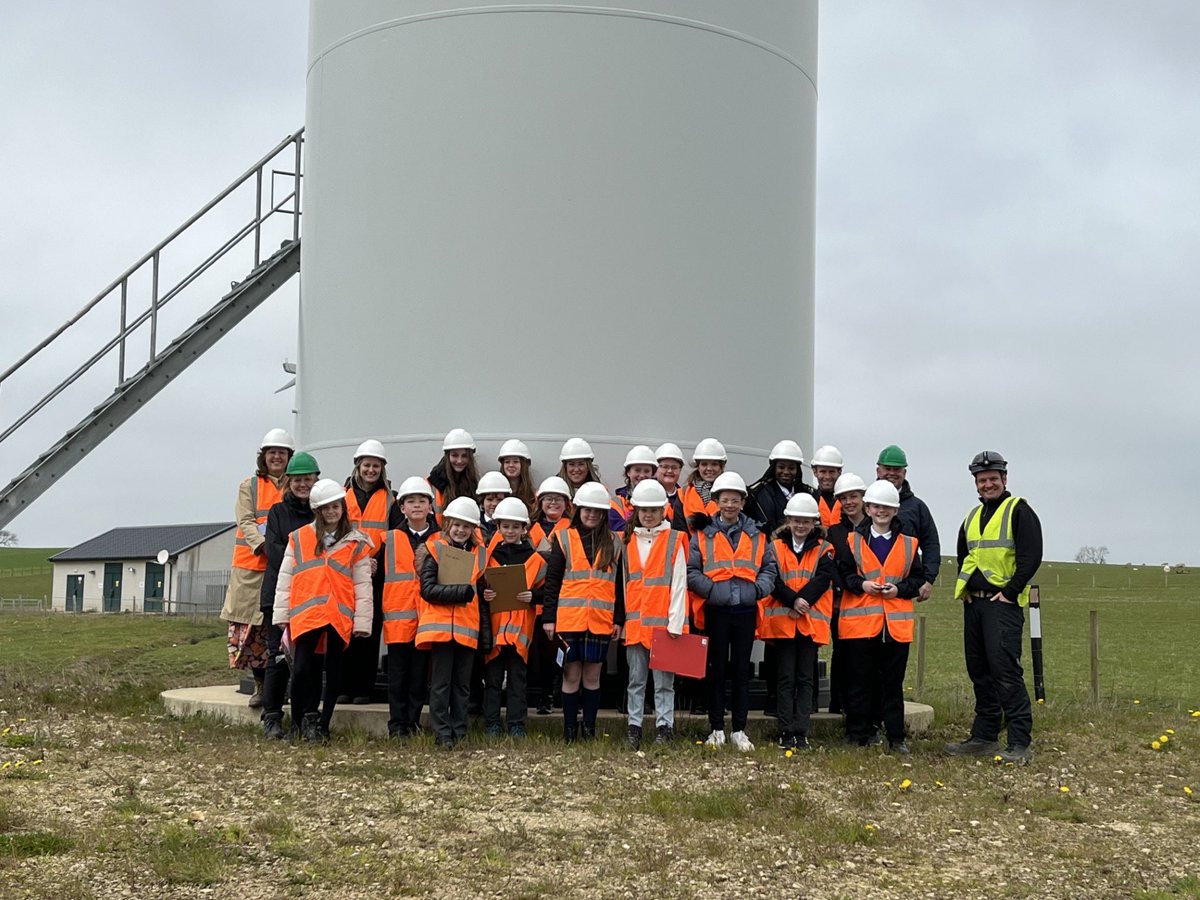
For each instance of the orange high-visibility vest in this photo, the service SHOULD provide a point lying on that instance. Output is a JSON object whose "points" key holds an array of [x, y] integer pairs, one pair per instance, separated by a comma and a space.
{"points": [[264, 493], [372, 521], [322, 590], [692, 503], [442, 622], [774, 619], [864, 615], [648, 585], [721, 563], [830, 515], [537, 532], [514, 628], [401, 589], [588, 597]]}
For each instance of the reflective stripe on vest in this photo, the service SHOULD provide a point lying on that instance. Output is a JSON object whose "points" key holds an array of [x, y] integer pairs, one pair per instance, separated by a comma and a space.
{"points": [[648, 585], [830, 515], [322, 586], [401, 588], [775, 619], [991, 550], [723, 562], [514, 628], [867, 615], [372, 521], [457, 622], [587, 598], [264, 494]]}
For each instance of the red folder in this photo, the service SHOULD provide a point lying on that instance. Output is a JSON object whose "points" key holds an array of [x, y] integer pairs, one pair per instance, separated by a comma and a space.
{"points": [[685, 655]]}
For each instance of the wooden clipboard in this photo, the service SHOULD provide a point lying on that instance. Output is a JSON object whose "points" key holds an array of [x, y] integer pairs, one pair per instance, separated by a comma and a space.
{"points": [[507, 582], [455, 566]]}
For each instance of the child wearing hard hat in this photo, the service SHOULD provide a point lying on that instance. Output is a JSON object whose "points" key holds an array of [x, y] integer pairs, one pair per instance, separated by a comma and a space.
{"points": [[512, 630], [551, 514], [449, 621], [640, 463], [708, 461], [655, 601], [881, 572], [493, 487], [795, 618], [455, 474], [731, 566], [323, 595], [783, 478], [669, 459], [584, 607], [578, 464], [406, 664], [514, 459]]}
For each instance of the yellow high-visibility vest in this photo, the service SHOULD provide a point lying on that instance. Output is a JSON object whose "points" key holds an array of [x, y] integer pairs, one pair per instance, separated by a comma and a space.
{"points": [[991, 549]]}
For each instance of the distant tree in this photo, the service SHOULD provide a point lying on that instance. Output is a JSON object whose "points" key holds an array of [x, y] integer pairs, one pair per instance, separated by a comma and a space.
{"points": [[8, 539], [1092, 555]]}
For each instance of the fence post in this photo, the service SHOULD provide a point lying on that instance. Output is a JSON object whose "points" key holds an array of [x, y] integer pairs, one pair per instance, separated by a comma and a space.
{"points": [[920, 657], [1094, 622]]}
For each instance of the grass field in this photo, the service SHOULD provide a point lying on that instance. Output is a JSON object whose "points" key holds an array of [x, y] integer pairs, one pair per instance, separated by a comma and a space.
{"points": [[16, 577], [102, 795]]}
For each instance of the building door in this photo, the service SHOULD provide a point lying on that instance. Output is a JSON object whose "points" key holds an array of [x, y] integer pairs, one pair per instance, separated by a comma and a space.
{"points": [[74, 593], [112, 587], [154, 587]]}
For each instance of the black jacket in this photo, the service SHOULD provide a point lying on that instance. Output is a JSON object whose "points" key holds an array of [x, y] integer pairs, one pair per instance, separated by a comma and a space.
{"points": [[823, 578], [515, 555], [283, 518], [454, 594], [918, 521], [1027, 535], [556, 566], [906, 588], [766, 502]]}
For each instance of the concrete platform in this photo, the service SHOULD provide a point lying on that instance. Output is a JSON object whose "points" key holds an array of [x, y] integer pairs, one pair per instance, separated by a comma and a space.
{"points": [[225, 703]]}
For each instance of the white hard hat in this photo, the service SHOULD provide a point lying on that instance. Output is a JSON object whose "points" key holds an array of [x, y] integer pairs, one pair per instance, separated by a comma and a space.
{"points": [[513, 509], [463, 508], [787, 450], [593, 495], [576, 448], [325, 492], [370, 448], [848, 481], [513, 447], [883, 493], [803, 505], [828, 455], [728, 481], [649, 493], [277, 437], [669, 451], [710, 448], [554, 485], [493, 483], [414, 484], [641, 455], [458, 439]]}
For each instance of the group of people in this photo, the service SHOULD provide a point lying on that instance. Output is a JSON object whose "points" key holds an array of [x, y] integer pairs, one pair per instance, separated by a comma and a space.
{"points": [[323, 571]]}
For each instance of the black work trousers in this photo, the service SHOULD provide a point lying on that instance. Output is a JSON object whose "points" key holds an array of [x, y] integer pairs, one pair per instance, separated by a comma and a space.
{"points": [[275, 681], [507, 662], [360, 667], [795, 662], [837, 687], [992, 646], [306, 676], [543, 670], [408, 685], [730, 637], [449, 689], [874, 672]]}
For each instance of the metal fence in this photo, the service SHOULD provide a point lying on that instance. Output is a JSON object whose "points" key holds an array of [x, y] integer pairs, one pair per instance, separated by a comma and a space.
{"points": [[34, 604], [199, 593]]}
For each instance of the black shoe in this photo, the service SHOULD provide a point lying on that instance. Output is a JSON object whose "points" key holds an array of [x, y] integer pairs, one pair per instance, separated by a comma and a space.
{"points": [[310, 729], [1018, 756], [517, 732], [770, 709], [900, 747], [344, 698], [474, 709], [272, 726], [633, 736], [361, 701], [543, 709], [972, 746], [800, 743], [493, 730], [664, 734], [874, 740], [699, 709], [570, 732], [587, 732], [444, 743], [786, 740]]}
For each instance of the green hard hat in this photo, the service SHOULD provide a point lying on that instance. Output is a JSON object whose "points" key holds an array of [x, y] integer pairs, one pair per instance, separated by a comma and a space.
{"points": [[303, 464], [892, 457]]}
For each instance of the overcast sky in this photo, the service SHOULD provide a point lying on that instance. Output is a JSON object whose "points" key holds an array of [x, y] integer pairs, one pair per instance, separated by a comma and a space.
{"points": [[1007, 248]]}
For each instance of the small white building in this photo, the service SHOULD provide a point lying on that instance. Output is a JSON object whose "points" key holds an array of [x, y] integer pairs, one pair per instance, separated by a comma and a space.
{"points": [[151, 568]]}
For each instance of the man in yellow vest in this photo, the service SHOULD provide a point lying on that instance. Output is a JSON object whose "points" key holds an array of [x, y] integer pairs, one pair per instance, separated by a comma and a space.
{"points": [[999, 551]]}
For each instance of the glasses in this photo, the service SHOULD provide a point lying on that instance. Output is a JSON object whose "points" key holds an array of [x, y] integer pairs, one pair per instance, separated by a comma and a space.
{"points": [[554, 501], [669, 467]]}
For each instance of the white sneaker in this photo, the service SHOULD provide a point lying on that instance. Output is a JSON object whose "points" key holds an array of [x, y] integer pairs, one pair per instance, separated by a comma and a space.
{"points": [[739, 740], [717, 739]]}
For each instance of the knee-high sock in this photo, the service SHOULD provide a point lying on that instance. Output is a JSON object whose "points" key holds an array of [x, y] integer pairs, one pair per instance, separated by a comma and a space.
{"points": [[570, 706], [591, 706]]}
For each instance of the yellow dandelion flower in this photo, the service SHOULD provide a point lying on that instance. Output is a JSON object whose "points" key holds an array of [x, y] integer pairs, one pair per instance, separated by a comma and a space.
{"points": [[788, 754], [1064, 790], [1187, 790], [997, 758], [1170, 731], [4, 766], [37, 762], [939, 784], [1041, 701], [699, 743], [19, 763], [869, 827], [1137, 702], [1155, 745], [1196, 713], [905, 784], [1163, 738]]}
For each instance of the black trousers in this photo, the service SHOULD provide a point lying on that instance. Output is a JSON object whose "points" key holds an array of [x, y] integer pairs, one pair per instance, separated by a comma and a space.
{"points": [[275, 681], [992, 646], [837, 689], [543, 670], [730, 637], [874, 686], [795, 662], [306, 677], [509, 663], [360, 667], [449, 689], [407, 687]]}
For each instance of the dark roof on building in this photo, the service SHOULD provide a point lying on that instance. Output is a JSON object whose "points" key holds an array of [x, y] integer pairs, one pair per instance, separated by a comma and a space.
{"points": [[143, 542]]}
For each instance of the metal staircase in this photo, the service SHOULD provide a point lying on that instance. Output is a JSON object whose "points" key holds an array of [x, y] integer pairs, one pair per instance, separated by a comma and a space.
{"points": [[162, 365]]}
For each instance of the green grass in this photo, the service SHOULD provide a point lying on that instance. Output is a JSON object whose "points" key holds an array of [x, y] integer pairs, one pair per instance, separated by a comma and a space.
{"points": [[16, 580], [34, 843]]}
